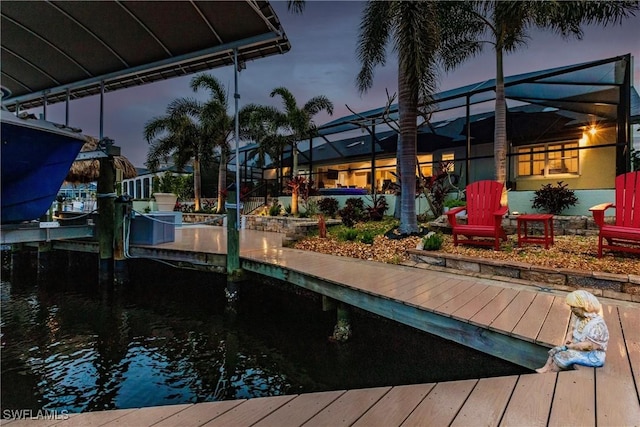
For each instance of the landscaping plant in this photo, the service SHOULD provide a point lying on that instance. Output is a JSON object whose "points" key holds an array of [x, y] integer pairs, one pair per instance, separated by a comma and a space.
{"points": [[328, 206], [352, 212], [432, 241], [380, 206], [554, 199], [275, 208]]}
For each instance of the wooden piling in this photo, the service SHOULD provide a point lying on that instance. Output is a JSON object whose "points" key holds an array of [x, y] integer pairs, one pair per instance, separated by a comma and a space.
{"points": [[234, 273], [44, 259], [106, 208], [342, 330], [123, 207]]}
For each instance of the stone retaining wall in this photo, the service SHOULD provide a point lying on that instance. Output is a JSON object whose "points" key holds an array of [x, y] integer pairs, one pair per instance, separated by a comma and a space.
{"points": [[293, 228], [619, 286], [562, 224]]}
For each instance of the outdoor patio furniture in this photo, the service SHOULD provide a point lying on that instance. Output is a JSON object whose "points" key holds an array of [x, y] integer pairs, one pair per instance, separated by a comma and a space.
{"points": [[624, 234], [547, 229], [484, 215]]}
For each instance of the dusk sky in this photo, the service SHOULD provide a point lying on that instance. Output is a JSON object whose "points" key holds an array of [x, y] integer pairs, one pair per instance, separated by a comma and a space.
{"points": [[322, 61]]}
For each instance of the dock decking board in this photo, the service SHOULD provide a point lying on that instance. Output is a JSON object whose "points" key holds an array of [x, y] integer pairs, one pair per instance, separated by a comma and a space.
{"points": [[395, 406], [441, 405], [630, 319], [530, 402], [554, 330], [511, 315], [494, 317], [614, 381], [494, 308], [249, 412], [460, 300], [470, 309], [574, 399], [444, 297], [197, 415], [531, 322], [300, 410], [486, 403], [345, 410], [147, 416]]}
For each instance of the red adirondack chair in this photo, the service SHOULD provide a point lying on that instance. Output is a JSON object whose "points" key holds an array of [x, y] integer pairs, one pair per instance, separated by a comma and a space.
{"points": [[626, 228], [484, 215]]}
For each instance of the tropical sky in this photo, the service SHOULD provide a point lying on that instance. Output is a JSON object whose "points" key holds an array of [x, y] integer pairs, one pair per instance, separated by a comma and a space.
{"points": [[322, 61]]}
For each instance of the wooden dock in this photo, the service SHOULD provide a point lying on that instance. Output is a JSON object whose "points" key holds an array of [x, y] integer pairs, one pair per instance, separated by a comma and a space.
{"points": [[514, 322]]}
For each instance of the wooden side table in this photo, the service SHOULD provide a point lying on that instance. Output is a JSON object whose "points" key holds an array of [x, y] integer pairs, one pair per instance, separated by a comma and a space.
{"points": [[525, 237]]}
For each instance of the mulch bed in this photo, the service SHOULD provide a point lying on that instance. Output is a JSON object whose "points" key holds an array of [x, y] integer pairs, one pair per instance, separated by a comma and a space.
{"points": [[573, 252]]}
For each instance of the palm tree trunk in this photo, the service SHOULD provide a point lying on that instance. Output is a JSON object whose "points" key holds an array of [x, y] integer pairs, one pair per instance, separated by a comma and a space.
{"points": [[500, 132], [294, 202], [397, 211], [197, 183], [294, 160], [222, 181], [408, 112]]}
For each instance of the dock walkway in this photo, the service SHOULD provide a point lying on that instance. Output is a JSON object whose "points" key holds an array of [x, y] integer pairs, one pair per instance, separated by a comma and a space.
{"points": [[514, 322]]}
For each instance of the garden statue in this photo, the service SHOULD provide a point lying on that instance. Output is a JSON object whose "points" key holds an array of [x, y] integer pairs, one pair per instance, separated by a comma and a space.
{"points": [[587, 339]]}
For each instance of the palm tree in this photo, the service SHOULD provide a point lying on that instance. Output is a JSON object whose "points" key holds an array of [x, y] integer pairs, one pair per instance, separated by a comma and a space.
{"points": [[412, 28], [468, 26], [258, 125], [177, 135], [274, 129], [297, 123], [191, 131], [219, 126], [296, 6]]}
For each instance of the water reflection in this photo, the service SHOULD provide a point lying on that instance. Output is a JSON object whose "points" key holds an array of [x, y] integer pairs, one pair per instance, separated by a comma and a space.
{"points": [[167, 339]]}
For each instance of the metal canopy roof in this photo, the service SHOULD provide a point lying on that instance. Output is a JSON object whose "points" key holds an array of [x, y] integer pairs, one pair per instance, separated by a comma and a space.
{"points": [[590, 88], [54, 46]]}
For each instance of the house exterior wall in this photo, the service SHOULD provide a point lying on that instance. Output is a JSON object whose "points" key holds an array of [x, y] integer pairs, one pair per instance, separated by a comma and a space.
{"points": [[597, 165]]}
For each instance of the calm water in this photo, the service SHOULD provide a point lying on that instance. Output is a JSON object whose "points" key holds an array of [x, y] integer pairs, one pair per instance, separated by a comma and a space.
{"points": [[167, 339]]}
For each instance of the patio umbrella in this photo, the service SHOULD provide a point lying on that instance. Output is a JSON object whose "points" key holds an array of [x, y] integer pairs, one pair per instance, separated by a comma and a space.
{"points": [[86, 171]]}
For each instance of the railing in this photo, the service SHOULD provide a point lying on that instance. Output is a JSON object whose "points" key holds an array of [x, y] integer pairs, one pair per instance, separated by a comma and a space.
{"points": [[255, 199]]}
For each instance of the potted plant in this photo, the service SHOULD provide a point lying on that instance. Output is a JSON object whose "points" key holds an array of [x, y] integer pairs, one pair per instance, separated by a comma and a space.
{"points": [[164, 192]]}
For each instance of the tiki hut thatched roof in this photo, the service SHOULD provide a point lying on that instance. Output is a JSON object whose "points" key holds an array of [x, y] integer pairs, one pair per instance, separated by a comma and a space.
{"points": [[85, 171]]}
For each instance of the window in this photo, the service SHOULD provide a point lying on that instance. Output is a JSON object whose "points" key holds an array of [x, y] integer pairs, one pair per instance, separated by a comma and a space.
{"points": [[146, 188], [548, 159], [449, 158]]}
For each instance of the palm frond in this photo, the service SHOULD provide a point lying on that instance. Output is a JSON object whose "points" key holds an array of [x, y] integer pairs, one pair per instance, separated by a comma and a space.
{"points": [[375, 30]]}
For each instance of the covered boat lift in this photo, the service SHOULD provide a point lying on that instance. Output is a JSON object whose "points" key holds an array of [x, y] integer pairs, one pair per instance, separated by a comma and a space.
{"points": [[55, 51]]}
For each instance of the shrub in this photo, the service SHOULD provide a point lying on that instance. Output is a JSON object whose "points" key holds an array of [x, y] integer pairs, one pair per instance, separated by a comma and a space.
{"points": [[311, 208], [274, 209], [380, 206], [554, 199], [453, 203], [349, 234], [367, 237], [352, 212], [356, 202], [350, 215], [328, 206], [432, 241], [635, 160]]}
